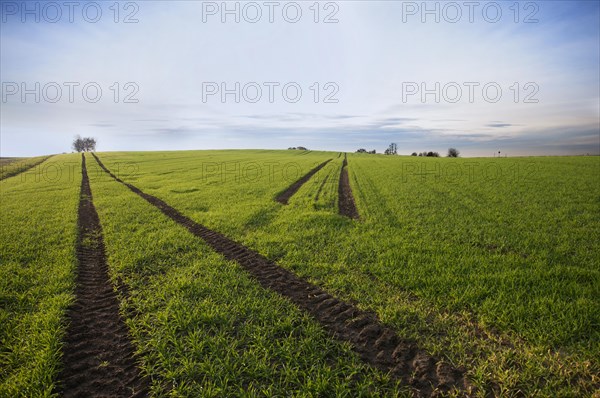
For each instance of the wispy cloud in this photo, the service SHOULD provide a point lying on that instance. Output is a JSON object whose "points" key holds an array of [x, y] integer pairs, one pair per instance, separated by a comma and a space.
{"points": [[499, 125]]}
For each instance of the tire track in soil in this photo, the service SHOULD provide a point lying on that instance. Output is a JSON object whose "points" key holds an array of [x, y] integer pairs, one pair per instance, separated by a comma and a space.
{"points": [[292, 189], [98, 356], [376, 343], [346, 204]]}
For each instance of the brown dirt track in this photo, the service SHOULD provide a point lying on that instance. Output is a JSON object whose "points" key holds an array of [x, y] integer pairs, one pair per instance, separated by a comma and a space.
{"points": [[98, 357], [346, 204], [292, 189], [376, 343]]}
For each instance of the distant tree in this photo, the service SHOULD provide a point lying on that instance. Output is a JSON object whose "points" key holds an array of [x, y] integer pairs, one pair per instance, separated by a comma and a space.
{"points": [[86, 144], [453, 152], [373, 152], [301, 148], [361, 150], [414, 154], [89, 144], [392, 149], [77, 144]]}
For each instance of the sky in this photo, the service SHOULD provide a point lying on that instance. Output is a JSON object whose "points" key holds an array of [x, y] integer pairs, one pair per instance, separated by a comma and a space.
{"points": [[522, 78]]}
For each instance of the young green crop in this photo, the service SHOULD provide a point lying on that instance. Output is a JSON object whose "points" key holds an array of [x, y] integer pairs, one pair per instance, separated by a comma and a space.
{"points": [[37, 256], [491, 263], [203, 327]]}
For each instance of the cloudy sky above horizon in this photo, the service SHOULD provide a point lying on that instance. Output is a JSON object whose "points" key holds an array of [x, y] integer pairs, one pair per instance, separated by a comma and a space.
{"points": [[483, 77]]}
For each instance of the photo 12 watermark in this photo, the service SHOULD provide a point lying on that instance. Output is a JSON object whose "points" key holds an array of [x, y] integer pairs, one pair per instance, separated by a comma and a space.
{"points": [[251, 172], [69, 11], [471, 171], [269, 92], [71, 92], [59, 171], [270, 12], [471, 92], [453, 12]]}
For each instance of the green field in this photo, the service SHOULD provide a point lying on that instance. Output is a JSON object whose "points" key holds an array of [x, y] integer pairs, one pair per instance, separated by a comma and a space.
{"points": [[491, 264]]}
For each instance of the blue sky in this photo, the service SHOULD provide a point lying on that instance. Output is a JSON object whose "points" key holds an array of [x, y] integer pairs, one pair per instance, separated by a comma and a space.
{"points": [[365, 64]]}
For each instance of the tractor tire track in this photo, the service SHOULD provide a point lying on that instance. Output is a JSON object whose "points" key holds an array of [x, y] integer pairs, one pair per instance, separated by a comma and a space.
{"points": [[292, 189], [346, 204], [377, 344], [98, 356]]}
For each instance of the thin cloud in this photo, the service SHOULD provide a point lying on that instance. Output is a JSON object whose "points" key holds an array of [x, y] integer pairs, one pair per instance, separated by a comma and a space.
{"points": [[499, 125]]}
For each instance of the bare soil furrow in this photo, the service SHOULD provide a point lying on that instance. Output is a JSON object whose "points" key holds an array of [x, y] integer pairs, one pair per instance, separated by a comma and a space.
{"points": [[346, 204], [98, 356], [292, 189], [376, 343]]}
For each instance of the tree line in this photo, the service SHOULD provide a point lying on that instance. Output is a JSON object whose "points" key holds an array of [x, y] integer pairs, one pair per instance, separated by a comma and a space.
{"points": [[393, 150]]}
